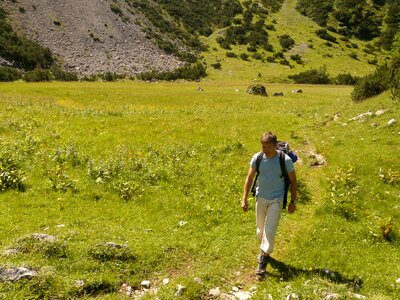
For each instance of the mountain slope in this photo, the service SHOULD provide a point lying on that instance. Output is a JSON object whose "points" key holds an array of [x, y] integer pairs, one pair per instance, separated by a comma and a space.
{"points": [[89, 37]]}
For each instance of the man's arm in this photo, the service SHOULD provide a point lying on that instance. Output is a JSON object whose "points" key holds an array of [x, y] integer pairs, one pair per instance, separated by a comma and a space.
{"points": [[293, 191], [247, 187]]}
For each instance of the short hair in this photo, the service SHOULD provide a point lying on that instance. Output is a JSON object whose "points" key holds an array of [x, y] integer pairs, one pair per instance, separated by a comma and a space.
{"points": [[269, 137]]}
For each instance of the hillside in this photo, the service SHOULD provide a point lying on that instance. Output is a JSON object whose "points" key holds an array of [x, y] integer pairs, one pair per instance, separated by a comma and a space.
{"points": [[134, 36]]}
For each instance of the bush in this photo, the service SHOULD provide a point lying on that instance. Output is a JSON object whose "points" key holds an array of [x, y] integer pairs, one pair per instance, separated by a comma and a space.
{"points": [[257, 56], [312, 76], [346, 79], [323, 34], [371, 85], [216, 66], [9, 74], [189, 72], [353, 55], [231, 54], [244, 56], [286, 41], [296, 58], [38, 75], [62, 75], [116, 9], [11, 178]]}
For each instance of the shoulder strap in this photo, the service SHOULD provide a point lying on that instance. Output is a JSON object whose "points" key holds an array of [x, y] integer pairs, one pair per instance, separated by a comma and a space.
{"points": [[285, 176], [258, 162]]}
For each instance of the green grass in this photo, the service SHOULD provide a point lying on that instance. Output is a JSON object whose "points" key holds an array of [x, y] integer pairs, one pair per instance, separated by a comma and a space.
{"points": [[126, 162], [302, 30]]}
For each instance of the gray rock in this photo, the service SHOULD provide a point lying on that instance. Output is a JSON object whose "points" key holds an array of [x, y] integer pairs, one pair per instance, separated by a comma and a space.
{"points": [[225, 296], [115, 245], [257, 89], [44, 237], [16, 274]]}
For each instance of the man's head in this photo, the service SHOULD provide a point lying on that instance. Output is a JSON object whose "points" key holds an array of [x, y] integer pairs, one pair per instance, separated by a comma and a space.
{"points": [[268, 142]]}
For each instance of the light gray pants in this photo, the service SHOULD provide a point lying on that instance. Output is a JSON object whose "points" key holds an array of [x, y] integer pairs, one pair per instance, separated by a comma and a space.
{"points": [[268, 213]]}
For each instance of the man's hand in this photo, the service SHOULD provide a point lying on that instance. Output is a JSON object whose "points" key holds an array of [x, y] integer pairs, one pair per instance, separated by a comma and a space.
{"points": [[245, 206], [291, 208]]}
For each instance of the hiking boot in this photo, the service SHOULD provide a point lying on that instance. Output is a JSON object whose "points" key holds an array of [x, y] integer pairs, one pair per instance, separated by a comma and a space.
{"points": [[262, 265]]}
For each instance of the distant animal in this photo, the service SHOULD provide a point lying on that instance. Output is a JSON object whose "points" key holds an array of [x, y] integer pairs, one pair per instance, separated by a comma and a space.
{"points": [[297, 91], [276, 94]]}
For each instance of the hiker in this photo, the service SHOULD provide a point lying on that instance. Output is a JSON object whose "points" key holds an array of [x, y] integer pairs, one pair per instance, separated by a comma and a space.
{"points": [[270, 193]]}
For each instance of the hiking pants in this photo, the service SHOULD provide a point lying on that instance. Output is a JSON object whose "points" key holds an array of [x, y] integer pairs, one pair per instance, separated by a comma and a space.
{"points": [[268, 213]]}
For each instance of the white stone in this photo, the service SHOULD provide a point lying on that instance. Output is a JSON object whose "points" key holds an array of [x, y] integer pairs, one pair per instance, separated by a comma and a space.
{"points": [[10, 252], [242, 295], [215, 292], [181, 223], [358, 296], [292, 296], [179, 290], [332, 296], [392, 122], [380, 112], [79, 283], [198, 280], [165, 281], [253, 289], [126, 289], [145, 284], [374, 125], [235, 289], [398, 281]]}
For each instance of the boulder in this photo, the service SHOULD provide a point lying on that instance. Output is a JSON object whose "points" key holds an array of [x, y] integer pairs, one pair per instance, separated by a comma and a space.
{"points": [[257, 89], [277, 94], [297, 91], [392, 122], [16, 274]]}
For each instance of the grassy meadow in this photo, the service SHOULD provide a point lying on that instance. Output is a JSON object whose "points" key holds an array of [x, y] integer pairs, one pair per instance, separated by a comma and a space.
{"points": [[160, 168]]}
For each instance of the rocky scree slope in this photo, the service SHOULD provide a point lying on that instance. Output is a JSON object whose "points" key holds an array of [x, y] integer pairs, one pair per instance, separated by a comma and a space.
{"points": [[88, 37]]}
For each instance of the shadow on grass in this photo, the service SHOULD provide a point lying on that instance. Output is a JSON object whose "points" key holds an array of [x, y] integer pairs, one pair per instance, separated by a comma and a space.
{"points": [[288, 272]]}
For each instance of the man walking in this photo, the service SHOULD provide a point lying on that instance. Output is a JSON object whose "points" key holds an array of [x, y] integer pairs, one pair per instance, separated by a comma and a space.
{"points": [[269, 194]]}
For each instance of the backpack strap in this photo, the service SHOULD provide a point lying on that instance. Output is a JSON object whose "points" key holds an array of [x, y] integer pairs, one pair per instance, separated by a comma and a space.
{"points": [[285, 176], [258, 162]]}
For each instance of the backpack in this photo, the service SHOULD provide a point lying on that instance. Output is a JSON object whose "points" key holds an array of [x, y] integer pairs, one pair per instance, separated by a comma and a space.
{"points": [[283, 148]]}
